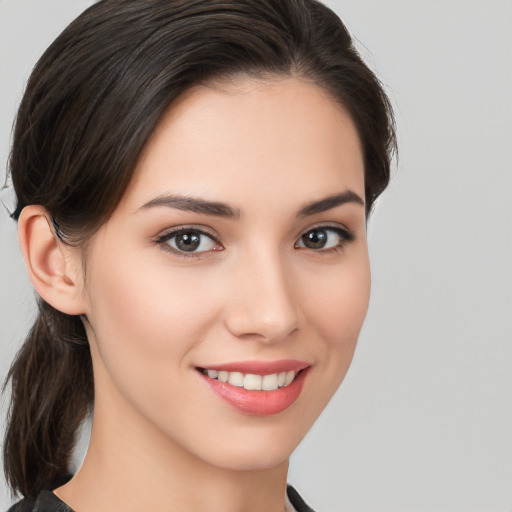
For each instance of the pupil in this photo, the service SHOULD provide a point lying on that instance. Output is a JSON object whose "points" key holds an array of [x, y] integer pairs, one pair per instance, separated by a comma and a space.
{"points": [[188, 241], [315, 239]]}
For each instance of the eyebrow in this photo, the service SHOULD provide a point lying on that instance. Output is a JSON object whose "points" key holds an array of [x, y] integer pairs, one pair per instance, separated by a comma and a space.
{"points": [[218, 209], [193, 204], [330, 202]]}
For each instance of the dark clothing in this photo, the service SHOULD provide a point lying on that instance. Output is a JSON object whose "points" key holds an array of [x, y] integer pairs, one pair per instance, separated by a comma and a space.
{"points": [[296, 500], [45, 502], [48, 502]]}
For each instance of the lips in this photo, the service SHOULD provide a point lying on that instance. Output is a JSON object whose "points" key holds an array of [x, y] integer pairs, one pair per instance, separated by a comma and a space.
{"points": [[256, 387]]}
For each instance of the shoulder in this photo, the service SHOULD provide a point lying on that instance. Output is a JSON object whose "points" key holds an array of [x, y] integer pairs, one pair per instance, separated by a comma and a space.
{"points": [[46, 501], [25, 505]]}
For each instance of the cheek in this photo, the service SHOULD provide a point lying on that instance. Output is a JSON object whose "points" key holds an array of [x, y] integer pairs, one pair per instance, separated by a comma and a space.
{"points": [[338, 302], [146, 326], [146, 319], [130, 297], [336, 310]]}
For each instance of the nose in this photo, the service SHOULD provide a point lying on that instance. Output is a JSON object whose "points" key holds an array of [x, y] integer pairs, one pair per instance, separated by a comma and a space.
{"points": [[262, 305]]}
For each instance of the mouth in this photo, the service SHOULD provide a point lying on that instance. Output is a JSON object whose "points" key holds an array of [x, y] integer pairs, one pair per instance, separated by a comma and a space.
{"points": [[257, 388], [252, 381]]}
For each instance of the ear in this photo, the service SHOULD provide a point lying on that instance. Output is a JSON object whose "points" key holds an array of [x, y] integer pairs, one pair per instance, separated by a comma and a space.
{"points": [[53, 267]]}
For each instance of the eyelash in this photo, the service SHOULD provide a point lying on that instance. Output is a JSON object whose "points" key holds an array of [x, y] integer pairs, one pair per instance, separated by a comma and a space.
{"points": [[345, 236], [162, 240]]}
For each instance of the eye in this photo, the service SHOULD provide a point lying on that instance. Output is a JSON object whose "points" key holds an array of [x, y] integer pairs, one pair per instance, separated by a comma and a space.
{"points": [[188, 242], [324, 238]]}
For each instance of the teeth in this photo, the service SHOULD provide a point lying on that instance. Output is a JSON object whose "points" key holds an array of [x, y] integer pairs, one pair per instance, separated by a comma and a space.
{"points": [[289, 377], [254, 382], [270, 382], [236, 379]]}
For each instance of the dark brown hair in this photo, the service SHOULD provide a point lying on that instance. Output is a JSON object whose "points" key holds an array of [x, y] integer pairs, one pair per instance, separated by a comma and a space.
{"points": [[91, 103]]}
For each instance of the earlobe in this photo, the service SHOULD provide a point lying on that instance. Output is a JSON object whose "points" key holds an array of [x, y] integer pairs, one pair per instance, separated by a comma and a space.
{"points": [[53, 267]]}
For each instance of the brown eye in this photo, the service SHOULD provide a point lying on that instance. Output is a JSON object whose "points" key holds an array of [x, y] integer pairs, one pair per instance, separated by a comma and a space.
{"points": [[314, 239], [191, 241], [187, 241], [323, 238]]}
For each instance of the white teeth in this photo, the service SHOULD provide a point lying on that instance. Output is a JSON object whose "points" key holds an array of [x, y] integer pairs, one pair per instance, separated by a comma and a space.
{"points": [[236, 379], [289, 378], [254, 382], [269, 382]]}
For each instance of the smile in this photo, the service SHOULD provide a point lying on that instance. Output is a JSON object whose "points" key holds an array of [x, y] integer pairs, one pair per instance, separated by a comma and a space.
{"points": [[260, 389], [253, 382]]}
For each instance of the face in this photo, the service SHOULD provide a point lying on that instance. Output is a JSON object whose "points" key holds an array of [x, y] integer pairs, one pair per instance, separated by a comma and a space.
{"points": [[236, 259]]}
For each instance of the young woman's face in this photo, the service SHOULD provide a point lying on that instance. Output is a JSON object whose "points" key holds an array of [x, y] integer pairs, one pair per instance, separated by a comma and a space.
{"points": [[238, 253]]}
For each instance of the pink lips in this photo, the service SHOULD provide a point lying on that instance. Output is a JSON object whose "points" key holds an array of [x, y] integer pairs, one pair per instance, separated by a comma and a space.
{"points": [[259, 403]]}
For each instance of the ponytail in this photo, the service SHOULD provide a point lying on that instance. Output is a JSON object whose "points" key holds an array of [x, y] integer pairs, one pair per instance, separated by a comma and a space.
{"points": [[52, 392]]}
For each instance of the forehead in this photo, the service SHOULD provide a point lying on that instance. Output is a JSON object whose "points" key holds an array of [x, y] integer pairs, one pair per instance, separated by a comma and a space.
{"points": [[248, 139]]}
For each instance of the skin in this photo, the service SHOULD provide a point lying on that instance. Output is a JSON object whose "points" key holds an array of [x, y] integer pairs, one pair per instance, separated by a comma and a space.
{"points": [[267, 149]]}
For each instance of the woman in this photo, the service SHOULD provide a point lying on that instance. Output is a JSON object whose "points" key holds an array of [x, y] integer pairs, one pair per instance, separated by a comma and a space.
{"points": [[193, 183]]}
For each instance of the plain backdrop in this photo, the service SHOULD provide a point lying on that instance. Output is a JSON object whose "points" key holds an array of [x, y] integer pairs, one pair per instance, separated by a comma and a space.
{"points": [[423, 421]]}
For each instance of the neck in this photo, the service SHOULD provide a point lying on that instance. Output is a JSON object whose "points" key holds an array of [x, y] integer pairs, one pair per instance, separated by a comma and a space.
{"points": [[131, 465]]}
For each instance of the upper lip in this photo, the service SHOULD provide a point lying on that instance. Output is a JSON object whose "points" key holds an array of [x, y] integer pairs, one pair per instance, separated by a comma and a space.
{"points": [[259, 367]]}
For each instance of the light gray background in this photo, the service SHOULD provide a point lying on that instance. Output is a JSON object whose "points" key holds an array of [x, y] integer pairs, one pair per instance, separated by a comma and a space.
{"points": [[423, 421]]}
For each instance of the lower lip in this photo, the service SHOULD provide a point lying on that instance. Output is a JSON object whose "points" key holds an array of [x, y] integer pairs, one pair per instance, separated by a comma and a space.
{"points": [[258, 403]]}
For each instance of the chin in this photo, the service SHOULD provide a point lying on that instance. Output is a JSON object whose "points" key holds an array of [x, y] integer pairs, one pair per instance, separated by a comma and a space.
{"points": [[258, 446], [253, 458]]}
